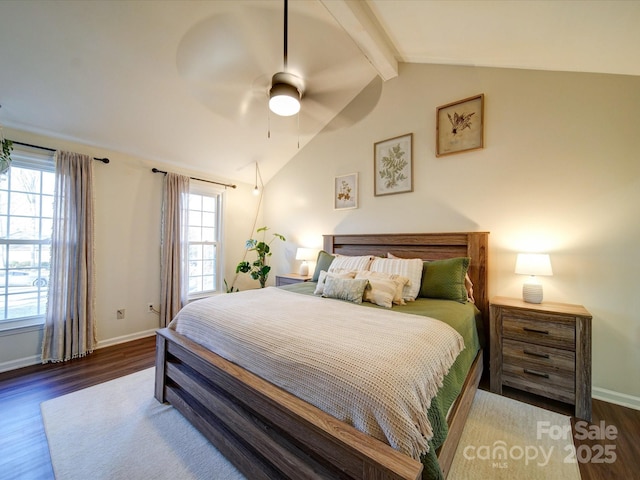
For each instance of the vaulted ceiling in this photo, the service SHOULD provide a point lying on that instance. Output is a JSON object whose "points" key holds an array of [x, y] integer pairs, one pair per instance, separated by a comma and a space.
{"points": [[186, 82]]}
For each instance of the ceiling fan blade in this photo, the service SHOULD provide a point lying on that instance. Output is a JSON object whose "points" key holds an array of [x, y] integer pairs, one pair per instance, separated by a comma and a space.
{"points": [[224, 58]]}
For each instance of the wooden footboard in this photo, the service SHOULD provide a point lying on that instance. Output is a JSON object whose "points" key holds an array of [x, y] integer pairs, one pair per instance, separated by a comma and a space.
{"points": [[268, 433], [264, 431]]}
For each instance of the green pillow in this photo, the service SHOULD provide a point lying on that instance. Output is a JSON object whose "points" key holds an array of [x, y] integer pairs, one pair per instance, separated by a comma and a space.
{"points": [[322, 263], [445, 279]]}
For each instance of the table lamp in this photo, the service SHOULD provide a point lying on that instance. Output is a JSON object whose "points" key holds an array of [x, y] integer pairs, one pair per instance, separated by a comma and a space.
{"points": [[533, 264]]}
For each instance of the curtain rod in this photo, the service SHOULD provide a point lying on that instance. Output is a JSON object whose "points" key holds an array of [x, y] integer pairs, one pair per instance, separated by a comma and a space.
{"points": [[155, 170], [103, 160]]}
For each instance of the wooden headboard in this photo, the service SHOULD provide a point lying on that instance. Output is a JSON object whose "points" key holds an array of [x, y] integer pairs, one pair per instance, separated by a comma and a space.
{"points": [[427, 246]]}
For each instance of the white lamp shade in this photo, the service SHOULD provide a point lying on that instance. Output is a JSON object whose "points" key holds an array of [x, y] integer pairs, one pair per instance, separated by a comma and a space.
{"points": [[306, 254], [533, 264], [284, 99]]}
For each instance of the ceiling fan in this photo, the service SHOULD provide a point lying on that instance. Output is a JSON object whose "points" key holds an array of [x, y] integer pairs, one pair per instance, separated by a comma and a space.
{"points": [[286, 88], [228, 60]]}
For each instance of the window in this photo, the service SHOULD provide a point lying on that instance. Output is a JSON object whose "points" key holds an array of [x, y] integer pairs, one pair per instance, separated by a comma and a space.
{"points": [[204, 241], [26, 216]]}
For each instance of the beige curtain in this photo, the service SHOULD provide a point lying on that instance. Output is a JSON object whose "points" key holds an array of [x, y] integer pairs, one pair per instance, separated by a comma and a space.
{"points": [[70, 328], [174, 261]]}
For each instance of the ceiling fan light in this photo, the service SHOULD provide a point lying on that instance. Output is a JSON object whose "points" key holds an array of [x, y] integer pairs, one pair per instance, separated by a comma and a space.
{"points": [[284, 99]]}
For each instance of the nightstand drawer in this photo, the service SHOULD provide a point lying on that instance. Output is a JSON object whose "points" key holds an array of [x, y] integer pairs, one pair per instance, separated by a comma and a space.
{"points": [[538, 357], [532, 330], [540, 381]]}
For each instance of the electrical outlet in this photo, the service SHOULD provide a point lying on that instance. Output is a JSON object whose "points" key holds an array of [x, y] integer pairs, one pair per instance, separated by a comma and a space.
{"points": [[120, 314]]}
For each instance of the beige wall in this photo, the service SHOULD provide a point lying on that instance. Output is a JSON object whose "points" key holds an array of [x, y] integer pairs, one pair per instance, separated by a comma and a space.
{"points": [[560, 173], [127, 204]]}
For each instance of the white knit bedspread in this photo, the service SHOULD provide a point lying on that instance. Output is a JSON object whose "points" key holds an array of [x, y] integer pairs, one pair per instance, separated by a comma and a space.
{"points": [[375, 369]]}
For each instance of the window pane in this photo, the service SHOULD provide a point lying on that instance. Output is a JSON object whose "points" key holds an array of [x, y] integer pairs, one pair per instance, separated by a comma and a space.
{"points": [[208, 219], [25, 180], [209, 204], [208, 234], [47, 206], [24, 228], [4, 202], [195, 218], [25, 204]]}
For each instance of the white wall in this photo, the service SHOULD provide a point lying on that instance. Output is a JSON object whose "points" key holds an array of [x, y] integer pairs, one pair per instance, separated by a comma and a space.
{"points": [[128, 208], [559, 173]]}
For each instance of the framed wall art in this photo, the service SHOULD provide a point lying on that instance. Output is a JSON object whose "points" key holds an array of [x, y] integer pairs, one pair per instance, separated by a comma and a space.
{"points": [[460, 126], [393, 165], [345, 193]]}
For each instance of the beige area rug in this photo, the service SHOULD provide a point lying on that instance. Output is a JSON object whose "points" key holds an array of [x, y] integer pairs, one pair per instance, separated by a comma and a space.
{"points": [[117, 430], [506, 439]]}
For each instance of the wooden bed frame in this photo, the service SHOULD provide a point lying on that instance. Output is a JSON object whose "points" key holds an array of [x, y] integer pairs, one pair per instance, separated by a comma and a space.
{"points": [[268, 433]]}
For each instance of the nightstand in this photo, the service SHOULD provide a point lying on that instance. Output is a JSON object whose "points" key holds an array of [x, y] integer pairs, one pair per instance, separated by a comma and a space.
{"points": [[542, 348], [289, 278]]}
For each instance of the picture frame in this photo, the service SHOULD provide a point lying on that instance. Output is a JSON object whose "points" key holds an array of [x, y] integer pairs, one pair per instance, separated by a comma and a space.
{"points": [[345, 191], [393, 165], [460, 126]]}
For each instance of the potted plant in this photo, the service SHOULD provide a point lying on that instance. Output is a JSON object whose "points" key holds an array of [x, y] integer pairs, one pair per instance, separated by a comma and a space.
{"points": [[5, 154], [259, 269]]}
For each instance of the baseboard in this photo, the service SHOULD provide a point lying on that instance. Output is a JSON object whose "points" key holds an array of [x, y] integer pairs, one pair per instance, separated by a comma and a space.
{"points": [[36, 359], [126, 338], [19, 363], [616, 397]]}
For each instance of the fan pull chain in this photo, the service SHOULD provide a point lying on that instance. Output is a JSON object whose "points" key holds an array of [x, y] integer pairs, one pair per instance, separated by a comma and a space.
{"points": [[298, 130], [268, 122]]}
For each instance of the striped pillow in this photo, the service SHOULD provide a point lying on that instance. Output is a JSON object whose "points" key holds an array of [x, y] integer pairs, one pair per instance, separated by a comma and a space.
{"points": [[348, 263], [410, 268]]}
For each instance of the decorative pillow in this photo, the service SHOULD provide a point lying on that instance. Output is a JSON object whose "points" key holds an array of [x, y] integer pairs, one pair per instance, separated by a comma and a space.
{"points": [[322, 263], [445, 279], [410, 268], [383, 278], [354, 264], [348, 289], [322, 278]]}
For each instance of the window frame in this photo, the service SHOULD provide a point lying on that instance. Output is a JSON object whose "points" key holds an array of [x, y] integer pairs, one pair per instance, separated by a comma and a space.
{"points": [[25, 157], [209, 190]]}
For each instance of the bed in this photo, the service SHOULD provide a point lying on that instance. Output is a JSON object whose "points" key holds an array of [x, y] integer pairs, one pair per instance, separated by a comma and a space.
{"points": [[269, 433]]}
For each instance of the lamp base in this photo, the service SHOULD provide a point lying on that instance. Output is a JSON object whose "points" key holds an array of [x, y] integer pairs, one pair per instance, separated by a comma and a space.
{"points": [[304, 269], [532, 292]]}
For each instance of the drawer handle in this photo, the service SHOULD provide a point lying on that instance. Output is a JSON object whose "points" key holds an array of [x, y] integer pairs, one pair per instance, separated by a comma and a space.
{"points": [[536, 354], [538, 374], [535, 330]]}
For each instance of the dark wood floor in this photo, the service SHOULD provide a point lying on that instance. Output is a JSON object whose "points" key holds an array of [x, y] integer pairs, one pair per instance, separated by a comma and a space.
{"points": [[24, 453]]}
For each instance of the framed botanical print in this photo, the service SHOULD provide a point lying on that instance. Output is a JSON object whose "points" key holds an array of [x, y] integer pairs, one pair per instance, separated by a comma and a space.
{"points": [[345, 192], [460, 126], [393, 165]]}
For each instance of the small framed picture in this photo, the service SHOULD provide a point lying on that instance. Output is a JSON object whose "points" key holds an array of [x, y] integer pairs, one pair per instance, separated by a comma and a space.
{"points": [[460, 126], [345, 190], [393, 165]]}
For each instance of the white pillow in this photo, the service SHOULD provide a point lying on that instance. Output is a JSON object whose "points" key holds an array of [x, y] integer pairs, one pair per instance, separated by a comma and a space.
{"points": [[410, 268], [374, 277], [322, 279], [353, 264]]}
